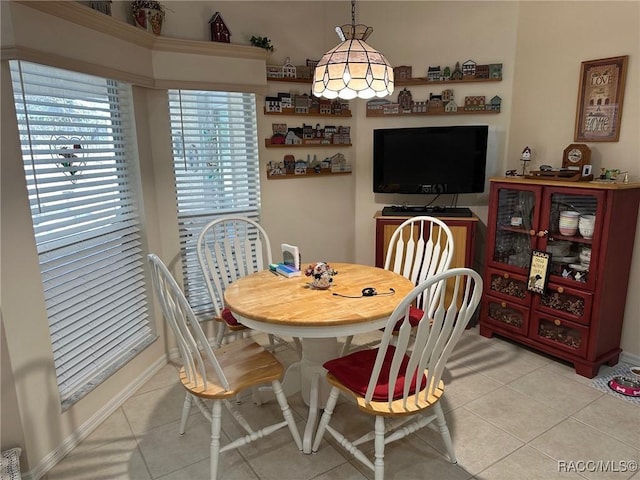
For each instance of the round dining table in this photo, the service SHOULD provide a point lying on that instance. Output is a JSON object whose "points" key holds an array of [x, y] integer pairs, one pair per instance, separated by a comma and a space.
{"points": [[360, 300]]}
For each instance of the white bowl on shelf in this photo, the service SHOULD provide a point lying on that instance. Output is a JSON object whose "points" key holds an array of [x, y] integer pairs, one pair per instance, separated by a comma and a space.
{"points": [[586, 225], [569, 215], [568, 231], [568, 222]]}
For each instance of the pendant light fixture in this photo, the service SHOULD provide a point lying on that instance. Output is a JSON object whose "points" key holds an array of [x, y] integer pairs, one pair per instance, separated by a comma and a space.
{"points": [[353, 68]]}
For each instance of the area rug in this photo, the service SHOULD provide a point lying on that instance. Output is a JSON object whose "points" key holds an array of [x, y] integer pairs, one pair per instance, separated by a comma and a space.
{"points": [[601, 382]]}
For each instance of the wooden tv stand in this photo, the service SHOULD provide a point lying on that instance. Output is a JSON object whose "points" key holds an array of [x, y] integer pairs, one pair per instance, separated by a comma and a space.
{"points": [[463, 229]]}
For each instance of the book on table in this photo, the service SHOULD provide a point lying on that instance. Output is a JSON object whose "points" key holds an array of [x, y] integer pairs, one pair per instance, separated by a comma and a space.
{"points": [[287, 270]]}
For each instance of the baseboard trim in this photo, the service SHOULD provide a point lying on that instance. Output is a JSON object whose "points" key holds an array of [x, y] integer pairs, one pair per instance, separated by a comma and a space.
{"points": [[630, 358], [72, 441]]}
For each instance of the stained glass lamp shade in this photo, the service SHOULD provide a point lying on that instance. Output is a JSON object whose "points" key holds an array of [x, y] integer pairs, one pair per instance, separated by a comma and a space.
{"points": [[353, 68]]}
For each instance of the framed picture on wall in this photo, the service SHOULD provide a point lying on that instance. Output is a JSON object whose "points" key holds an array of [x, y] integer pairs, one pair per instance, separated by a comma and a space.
{"points": [[600, 99]]}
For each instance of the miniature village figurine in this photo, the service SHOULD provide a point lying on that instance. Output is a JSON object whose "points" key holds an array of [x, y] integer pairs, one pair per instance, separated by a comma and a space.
{"points": [[525, 158], [219, 30]]}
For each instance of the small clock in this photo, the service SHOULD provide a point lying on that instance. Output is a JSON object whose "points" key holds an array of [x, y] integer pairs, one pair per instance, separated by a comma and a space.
{"points": [[576, 156]]}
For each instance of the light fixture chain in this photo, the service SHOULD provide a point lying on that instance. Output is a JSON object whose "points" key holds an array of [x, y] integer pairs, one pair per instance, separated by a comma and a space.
{"points": [[353, 14]]}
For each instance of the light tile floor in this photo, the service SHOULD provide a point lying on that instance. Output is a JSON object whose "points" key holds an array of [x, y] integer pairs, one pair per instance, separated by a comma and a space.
{"points": [[513, 414]]}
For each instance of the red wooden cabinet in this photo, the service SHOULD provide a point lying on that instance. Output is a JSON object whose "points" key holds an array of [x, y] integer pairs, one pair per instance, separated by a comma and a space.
{"points": [[579, 316]]}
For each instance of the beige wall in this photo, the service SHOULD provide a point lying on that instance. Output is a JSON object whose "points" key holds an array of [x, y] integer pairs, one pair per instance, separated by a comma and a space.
{"points": [[547, 72], [43, 427], [436, 33], [540, 45], [316, 214]]}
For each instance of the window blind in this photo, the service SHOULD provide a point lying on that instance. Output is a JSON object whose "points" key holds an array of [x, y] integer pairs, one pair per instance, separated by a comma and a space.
{"points": [[215, 153], [79, 165]]}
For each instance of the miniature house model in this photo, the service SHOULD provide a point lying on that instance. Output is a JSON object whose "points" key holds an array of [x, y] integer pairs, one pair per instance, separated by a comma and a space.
{"points": [[219, 30]]}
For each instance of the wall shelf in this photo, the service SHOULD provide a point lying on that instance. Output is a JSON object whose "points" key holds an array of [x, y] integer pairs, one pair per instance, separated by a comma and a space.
{"points": [[310, 173], [375, 113], [425, 81], [291, 113], [402, 83], [267, 143], [290, 80]]}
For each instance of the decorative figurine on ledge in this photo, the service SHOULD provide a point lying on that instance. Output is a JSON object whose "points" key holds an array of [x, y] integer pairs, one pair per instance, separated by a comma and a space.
{"points": [[261, 42], [148, 15], [219, 30], [525, 158]]}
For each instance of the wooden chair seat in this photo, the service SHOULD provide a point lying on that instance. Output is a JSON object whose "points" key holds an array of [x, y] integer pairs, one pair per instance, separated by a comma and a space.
{"points": [[230, 321], [354, 371], [415, 403], [245, 364], [351, 374]]}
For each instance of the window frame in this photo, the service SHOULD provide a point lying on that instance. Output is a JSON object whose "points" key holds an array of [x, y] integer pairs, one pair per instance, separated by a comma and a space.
{"points": [[232, 122], [82, 174]]}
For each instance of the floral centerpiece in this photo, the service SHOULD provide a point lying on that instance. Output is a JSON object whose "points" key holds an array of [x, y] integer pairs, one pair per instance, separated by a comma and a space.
{"points": [[322, 275], [148, 15]]}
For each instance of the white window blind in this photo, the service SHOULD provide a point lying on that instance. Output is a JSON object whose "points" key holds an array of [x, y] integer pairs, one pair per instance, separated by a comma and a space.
{"points": [[79, 164], [215, 152]]}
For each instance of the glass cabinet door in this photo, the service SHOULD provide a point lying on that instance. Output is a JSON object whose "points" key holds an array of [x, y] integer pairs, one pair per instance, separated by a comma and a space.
{"points": [[515, 229], [571, 221]]}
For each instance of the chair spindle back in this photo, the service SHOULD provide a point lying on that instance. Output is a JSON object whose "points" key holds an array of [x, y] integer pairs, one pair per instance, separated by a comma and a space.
{"points": [[420, 248], [230, 248], [195, 350], [437, 332]]}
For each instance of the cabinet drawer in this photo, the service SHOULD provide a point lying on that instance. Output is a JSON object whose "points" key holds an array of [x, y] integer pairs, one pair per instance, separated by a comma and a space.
{"points": [[562, 334], [569, 303], [504, 314], [509, 286]]}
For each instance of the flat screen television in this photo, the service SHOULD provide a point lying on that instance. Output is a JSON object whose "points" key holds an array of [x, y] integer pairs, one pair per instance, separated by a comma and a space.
{"points": [[426, 160]]}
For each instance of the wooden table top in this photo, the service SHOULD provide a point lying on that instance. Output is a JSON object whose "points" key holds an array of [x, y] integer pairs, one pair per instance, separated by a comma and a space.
{"points": [[277, 300]]}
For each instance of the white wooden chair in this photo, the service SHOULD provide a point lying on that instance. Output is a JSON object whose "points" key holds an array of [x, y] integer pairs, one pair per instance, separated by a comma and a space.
{"points": [[229, 248], [402, 388], [217, 375], [419, 248]]}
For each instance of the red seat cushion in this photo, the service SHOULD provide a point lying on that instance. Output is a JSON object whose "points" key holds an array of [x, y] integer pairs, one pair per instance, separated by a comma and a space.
{"points": [[228, 317], [415, 315], [354, 371]]}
